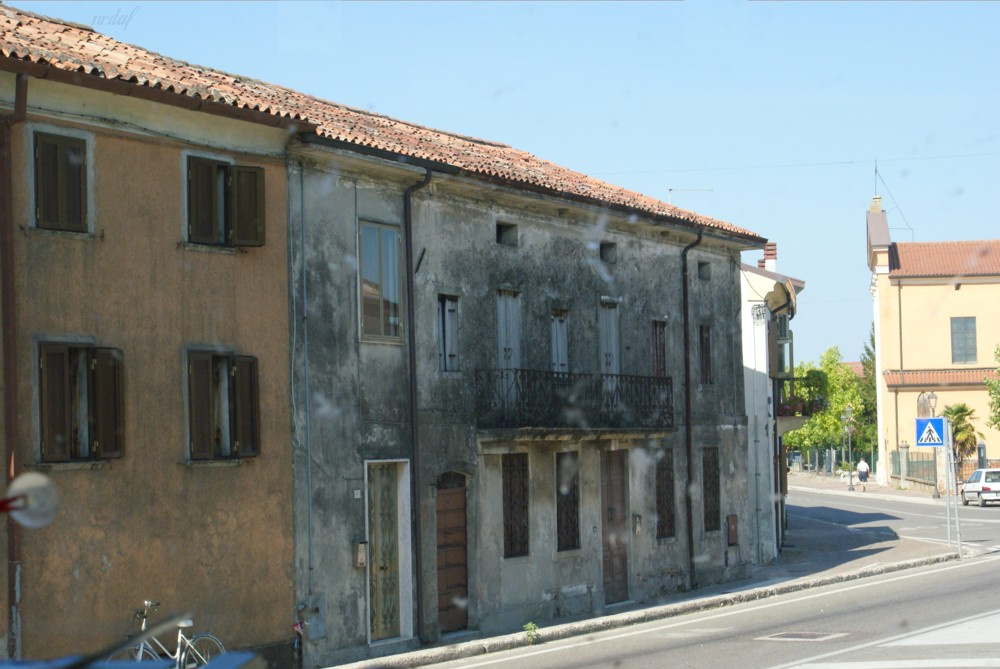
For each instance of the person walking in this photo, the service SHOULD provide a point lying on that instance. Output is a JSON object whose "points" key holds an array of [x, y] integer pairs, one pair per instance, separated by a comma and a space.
{"points": [[863, 473]]}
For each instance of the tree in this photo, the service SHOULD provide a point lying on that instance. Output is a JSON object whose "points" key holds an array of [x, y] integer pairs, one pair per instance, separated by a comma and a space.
{"points": [[866, 418], [964, 435], [993, 388], [824, 429]]}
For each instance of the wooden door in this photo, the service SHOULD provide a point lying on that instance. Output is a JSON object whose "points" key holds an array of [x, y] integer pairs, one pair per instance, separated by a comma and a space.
{"points": [[614, 524], [384, 551], [453, 572]]}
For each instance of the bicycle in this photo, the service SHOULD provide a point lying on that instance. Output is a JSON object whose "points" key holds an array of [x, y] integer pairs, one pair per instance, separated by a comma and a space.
{"points": [[189, 654]]}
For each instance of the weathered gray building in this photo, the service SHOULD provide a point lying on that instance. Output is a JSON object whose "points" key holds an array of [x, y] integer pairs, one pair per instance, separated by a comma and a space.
{"points": [[512, 401]]}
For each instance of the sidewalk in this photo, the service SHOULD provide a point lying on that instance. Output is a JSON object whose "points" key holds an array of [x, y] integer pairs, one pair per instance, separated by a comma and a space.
{"points": [[815, 553]]}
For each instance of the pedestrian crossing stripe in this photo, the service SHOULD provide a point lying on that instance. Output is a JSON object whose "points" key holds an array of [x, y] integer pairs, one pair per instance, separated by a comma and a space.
{"points": [[930, 436]]}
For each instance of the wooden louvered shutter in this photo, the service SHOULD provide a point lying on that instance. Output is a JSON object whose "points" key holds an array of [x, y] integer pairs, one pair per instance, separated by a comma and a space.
{"points": [[54, 402], [201, 398], [46, 182], [106, 394], [245, 419], [246, 206], [203, 201]]}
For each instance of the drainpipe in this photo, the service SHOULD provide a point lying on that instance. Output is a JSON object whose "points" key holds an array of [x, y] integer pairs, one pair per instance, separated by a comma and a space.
{"points": [[9, 343], [411, 342], [688, 399]]}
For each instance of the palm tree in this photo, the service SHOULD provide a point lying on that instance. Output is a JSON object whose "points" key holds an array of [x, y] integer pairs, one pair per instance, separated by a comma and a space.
{"points": [[965, 437]]}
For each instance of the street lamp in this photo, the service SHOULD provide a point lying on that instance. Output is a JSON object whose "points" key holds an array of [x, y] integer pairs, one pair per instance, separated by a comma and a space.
{"points": [[926, 401], [845, 420]]}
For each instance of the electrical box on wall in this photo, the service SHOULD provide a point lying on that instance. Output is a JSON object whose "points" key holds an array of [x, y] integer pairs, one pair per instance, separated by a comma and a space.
{"points": [[361, 555]]}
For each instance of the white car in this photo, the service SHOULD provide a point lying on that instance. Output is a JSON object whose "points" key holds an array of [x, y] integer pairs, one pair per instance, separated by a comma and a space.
{"points": [[982, 485]]}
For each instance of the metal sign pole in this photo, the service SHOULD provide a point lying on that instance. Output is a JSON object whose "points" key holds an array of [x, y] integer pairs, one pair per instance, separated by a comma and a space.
{"points": [[952, 477]]}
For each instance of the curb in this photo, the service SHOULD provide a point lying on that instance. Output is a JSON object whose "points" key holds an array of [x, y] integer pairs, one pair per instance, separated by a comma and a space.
{"points": [[567, 630]]}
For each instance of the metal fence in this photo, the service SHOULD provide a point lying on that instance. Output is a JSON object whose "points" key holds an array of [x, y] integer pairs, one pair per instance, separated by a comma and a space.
{"points": [[921, 467]]}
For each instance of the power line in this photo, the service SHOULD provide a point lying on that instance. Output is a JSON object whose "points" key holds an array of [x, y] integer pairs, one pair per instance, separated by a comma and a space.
{"points": [[796, 165]]}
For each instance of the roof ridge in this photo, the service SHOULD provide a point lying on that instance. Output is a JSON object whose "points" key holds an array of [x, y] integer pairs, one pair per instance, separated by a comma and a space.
{"points": [[13, 11]]}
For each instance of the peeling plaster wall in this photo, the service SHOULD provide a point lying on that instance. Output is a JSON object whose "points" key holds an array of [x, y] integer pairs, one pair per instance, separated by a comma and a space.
{"points": [[350, 397]]}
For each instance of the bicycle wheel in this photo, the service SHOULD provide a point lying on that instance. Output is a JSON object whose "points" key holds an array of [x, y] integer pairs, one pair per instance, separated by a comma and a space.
{"points": [[132, 654], [200, 650]]}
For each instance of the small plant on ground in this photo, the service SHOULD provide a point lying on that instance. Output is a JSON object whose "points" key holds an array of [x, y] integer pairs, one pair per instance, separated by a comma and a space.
{"points": [[531, 631]]}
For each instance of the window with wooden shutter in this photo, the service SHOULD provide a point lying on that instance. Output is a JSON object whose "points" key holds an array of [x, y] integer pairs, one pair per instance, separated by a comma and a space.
{"points": [[80, 398], [567, 501], [60, 182], [247, 198], [245, 401], [224, 400], [55, 402], [106, 393], [225, 203], [515, 504], [665, 526], [201, 397]]}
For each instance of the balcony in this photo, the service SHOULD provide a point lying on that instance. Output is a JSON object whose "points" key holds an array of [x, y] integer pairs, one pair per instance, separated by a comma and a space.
{"points": [[799, 399], [516, 398]]}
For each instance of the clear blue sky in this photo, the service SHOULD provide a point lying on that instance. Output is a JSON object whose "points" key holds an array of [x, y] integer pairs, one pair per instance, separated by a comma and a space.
{"points": [[770, 115]]}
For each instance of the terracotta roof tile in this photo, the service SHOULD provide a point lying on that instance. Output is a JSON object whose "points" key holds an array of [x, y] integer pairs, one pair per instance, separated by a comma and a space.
{"points": [[936, 378], [71, 47], [951, 259]]}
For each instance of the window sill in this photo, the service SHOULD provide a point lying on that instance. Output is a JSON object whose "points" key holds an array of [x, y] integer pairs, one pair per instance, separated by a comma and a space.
{"points": [[371, 339], [210, 464], [67, 234], [67, 466], [210, 248]]}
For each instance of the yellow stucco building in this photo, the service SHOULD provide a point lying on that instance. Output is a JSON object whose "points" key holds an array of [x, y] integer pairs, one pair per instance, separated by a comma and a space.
{"points": [[936, 330]]}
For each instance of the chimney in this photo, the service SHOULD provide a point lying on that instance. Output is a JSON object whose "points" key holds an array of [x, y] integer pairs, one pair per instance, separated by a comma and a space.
{"points": [[760, 263], [771, 256], [876, 204]]}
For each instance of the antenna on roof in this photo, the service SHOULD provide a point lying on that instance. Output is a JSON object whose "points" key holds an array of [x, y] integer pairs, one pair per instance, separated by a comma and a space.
{"points": [[670, 192]]}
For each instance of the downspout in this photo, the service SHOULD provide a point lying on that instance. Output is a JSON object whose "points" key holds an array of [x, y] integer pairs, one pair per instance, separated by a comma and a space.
{"points": [[8, 312], [688, 436], [411, 342]]}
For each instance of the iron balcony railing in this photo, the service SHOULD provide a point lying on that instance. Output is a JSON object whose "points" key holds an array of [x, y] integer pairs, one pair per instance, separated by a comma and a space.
{"points": [[513, 398]]}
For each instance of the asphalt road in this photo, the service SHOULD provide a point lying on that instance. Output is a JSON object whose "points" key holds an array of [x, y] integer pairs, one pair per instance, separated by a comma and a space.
{"points": [[946, 615], [920, 519]]}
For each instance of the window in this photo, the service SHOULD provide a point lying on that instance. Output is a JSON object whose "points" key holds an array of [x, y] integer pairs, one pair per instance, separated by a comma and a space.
{"points": [[447, 333], [225, 203], [380, 289], [568, 501], [80, 398], [710, 488], [507, 234], [665, 494], [705, 353], [60, 182], [963, 340], [609, 252], [659, 357], [223, 406], [515, 504], [560, 353], [704, 271]]}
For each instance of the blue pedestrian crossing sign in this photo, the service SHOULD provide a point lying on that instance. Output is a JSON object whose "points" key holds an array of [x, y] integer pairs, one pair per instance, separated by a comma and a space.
{"points": [[930, 431]]}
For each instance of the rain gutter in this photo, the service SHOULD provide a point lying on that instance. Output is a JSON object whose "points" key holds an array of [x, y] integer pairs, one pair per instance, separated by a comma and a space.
{"points": [[411, 342], [688, 399]]}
